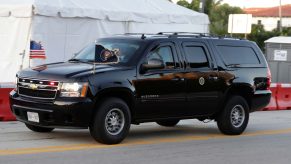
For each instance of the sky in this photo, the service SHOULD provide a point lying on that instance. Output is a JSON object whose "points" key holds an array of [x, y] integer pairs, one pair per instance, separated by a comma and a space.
{"points": [[253, 3]]}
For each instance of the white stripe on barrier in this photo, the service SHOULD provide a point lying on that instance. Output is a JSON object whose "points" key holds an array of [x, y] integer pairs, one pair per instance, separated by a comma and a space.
{"points": [[286, 85], [7, 85], [273, 85]]}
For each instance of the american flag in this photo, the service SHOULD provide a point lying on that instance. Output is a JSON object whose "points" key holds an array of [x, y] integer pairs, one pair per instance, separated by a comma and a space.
{"points": [[36, 51]]}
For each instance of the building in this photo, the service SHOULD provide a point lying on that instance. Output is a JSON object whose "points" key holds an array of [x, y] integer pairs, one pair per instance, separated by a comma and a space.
{"points": [[269, 17]]}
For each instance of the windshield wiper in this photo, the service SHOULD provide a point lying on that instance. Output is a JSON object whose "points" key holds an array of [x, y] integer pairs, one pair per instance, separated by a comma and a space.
{"points": [[74, 59], [233, 65], [78, 60]]}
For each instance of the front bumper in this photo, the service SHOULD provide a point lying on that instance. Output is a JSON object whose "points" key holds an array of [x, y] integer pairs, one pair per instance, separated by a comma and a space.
{"points": [[60, 113]]}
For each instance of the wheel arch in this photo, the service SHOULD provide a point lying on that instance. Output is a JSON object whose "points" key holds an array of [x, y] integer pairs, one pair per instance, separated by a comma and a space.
{"points": [[122, 93], [243, 90]]}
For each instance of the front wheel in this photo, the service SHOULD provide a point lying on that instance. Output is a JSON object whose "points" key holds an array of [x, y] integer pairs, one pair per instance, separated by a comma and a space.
{"points": [[38, 128], [112, 122], [233, 120]]}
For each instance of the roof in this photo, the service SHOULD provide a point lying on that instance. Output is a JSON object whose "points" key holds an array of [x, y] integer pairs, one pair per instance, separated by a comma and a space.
{"points": [[156, 11], [269, 12], [172, 36], [279, 39]]}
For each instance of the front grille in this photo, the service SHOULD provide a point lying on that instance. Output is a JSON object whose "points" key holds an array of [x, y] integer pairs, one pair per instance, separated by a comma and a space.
{"points": [[34, 88]]}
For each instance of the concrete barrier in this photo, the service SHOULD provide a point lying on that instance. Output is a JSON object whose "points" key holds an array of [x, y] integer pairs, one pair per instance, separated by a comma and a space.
{"points": [[284, 97], [273, 102], [5, 112]]}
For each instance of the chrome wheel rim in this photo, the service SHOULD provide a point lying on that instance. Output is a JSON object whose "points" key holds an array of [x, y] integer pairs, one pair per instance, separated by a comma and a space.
{"points": [[114, 121], [237, 116]]}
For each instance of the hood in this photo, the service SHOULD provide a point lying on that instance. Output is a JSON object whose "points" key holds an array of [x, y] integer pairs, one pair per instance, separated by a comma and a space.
{"points": [[64, 71]]}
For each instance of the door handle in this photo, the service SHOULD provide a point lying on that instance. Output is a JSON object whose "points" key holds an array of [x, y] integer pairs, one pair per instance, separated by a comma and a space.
{"points": [[214, 78], [178, 79]]}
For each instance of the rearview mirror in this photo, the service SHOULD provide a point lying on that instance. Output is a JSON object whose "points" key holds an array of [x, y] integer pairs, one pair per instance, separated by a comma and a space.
{"points": [[152, 64]]}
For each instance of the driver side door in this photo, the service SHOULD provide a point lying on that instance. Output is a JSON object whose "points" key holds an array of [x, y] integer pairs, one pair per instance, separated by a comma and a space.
{"points": [[161, 92]]}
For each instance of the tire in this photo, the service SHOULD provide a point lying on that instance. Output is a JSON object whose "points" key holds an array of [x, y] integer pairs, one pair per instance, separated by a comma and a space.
{"points": [[234, 119], [168, 123], [111, 122], [39, 129]]}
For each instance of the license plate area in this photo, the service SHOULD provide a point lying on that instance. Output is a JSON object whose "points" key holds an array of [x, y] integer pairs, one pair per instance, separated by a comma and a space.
{"points": [[32, 116]]}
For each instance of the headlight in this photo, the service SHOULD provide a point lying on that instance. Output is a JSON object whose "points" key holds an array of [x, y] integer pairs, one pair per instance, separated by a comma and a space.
{"points": [[16, 81], [74, 89]]}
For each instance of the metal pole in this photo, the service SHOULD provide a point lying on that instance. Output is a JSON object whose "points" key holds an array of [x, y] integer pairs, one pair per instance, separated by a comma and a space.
{"points": [[202, 6], [280, 16]]}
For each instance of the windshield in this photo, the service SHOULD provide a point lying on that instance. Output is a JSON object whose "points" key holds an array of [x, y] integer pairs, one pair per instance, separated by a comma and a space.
{"points": [[122, 49]]}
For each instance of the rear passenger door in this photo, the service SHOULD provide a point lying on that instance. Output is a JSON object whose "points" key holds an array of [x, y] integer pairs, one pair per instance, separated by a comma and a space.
{"points": [[202, 81]]}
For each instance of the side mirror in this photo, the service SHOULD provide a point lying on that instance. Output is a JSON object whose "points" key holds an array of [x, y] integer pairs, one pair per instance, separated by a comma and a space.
{"points": [[152, 64]]}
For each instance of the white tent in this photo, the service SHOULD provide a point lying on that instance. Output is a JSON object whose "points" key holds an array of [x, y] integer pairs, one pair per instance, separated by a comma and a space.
{"points": [[65, 26]]}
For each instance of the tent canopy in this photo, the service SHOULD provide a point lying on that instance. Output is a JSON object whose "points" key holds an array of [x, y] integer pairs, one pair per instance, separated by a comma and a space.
{"points": [[143, 11], [66, 26]]}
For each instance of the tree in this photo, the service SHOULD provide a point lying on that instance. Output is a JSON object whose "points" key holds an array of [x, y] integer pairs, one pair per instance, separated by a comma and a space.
{"points": [[219, 18], [286, 31], [218, 14], [210, 4], [260, 35], [194, 5], [183, 3]]}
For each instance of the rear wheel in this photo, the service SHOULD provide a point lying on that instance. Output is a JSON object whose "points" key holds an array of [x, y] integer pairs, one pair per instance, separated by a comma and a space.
{"points": [[168, 123], [234, 118], [39, 129], [112, 122]]}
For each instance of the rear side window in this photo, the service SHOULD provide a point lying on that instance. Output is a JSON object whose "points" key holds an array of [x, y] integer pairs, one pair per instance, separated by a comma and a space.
{"points": [[196, 56], [238, 55]]}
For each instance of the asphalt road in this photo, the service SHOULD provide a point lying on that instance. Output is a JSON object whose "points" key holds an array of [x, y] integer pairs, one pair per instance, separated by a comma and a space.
{"points": [[267, 140]]}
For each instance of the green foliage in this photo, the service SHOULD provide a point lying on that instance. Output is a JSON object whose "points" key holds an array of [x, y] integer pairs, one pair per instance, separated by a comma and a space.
{"points": [[210, 4], [218, 14], [286, 31], [183, 3], [260, 35], [194, 5], [219, 18]]}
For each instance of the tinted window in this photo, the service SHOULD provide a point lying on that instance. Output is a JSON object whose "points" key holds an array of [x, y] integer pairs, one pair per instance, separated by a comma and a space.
{"points": [[238, 55], [165, 54], [196, 56]]}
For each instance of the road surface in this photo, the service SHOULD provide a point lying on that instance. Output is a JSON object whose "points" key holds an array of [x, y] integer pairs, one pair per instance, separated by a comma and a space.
{"points": [[267, 139]]}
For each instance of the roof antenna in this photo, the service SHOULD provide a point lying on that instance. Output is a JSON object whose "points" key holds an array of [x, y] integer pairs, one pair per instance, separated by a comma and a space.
{"points": [[143, 36]]}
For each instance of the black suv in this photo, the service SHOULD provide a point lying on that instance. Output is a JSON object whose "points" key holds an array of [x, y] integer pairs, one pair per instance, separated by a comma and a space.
{"points": [[136, 78]]}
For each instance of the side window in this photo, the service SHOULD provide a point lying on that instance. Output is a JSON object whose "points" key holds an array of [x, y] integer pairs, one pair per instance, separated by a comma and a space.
{"points": [[165, 54], [196, 56], [238, 55]]}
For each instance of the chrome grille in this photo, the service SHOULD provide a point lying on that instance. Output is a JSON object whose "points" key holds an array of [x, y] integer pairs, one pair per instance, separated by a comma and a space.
{"points": [[35, 88]]}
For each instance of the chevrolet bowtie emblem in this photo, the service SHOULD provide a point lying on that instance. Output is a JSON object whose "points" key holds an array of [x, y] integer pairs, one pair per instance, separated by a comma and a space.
{"points": [[33, 86]]}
